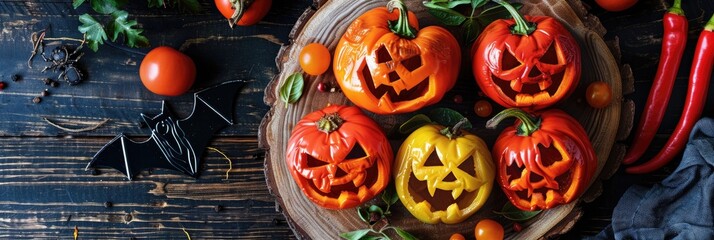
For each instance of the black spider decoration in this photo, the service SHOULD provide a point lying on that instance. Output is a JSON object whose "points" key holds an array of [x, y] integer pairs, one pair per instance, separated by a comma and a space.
{"points": [[64, 61]]}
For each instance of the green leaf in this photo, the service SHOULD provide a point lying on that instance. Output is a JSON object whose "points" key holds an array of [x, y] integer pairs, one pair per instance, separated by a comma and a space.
{"points": [[497, 12], [354, 235], [189, 5], [448, 117], [455, 3], [478, 3], [389, 196], [472, 29], [94, 31], [363, 214], [157, 3], [132, 36], [414, 123], [512, 213], [107, 6], [77, 3], [376, 209], [372, 238], [446, 15], [404, 234], [291, 90]]}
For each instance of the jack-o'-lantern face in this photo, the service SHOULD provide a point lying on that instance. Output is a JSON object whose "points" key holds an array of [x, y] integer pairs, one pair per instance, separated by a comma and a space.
{"points": [[544, 163], [527, 71], [440, 179], [385, 73], [339, 157]]}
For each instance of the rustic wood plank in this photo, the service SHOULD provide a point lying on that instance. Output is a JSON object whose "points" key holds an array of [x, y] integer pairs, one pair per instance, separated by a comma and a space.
{"points": [[43, 184], [112, 89]]}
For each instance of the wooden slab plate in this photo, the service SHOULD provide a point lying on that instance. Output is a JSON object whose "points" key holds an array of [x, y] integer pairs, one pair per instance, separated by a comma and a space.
{"points": [[327, 24]]}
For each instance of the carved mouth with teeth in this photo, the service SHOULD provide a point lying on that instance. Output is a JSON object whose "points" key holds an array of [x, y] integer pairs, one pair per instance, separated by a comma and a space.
{"points": [[348, 179], [540, 78]]}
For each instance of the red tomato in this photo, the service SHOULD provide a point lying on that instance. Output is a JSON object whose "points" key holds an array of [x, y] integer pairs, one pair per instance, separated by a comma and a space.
{"points": [[615, 5], [483, 108], [314, 59], [598, 94], [255, 12], [457, 236], [167, 72], [488, 229]]}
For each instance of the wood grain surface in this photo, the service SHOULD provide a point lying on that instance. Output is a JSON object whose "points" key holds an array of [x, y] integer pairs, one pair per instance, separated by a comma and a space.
{"points": [[326, 26], [45, 192]]}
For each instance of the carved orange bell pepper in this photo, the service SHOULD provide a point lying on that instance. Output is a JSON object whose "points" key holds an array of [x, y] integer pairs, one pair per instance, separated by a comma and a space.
{"points": [[384, 64], [528, 62], [542, 161]]}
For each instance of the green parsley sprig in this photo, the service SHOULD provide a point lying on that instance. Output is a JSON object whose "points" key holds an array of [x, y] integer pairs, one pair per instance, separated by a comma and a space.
{"points": [[119, 24]]}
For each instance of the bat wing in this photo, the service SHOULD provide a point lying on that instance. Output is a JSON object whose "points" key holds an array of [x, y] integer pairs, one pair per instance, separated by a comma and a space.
{"points": [[212, 111], [121, 153]]}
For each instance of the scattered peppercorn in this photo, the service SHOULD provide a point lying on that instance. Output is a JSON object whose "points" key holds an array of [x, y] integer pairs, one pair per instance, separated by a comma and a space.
{"points": [[517, 227], [54, 84], [45, 93], [127, 218], [47, 81], [218, 208], [37, 100], [108, 204], [322, 87], [16, 77]]}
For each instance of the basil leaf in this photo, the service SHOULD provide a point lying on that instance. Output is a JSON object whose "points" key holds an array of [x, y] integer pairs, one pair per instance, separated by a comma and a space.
{"points": [[77, 3], [404, 234], [453, 4], [414, 123], [389, 196], [354, 235], [511, 212], [448, 117], [445, 15], [363, 214], [94, 31], [291, 90], [472, 29], [478, 3], [497, 12]]}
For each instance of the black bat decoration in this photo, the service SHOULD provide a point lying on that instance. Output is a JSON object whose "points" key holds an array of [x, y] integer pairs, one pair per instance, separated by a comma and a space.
{"points": [[174, 144]]}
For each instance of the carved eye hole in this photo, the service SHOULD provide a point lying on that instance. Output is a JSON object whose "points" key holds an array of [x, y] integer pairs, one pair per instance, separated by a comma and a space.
{"points": [[356, 152], [550, 56], [383, 55], [313, 162], [549, 155], [508, 61], [433, 161], [412, 63]]}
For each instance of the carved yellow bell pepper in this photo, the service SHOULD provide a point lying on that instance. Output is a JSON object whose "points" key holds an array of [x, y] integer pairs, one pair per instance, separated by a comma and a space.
{"points": [[443, 174]]}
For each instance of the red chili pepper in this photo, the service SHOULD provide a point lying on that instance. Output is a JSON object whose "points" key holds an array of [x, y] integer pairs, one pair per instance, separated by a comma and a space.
{"points": [[673, 43], [694, 104]]}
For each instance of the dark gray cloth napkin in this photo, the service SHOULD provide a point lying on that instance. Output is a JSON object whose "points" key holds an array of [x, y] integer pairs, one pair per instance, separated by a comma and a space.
{"points": [[681, 206]]}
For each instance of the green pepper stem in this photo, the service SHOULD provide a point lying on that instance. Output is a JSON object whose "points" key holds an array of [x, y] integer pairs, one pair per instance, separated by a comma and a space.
{"points": [[401, 26], [522, 26], [710, 24], [676, 8], [455, 131], [329, 123], [528, 126]]}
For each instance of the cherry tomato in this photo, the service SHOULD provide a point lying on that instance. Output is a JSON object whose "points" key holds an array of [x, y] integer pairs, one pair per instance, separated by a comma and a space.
{"points": [[598, 94], [255, 12], [314, 59], [483, 108], [166, 71], [488, 229], [615, 5], [457, 236]]}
